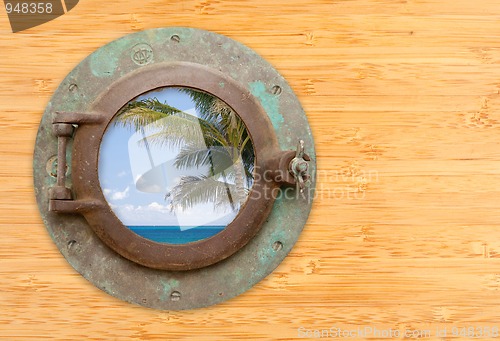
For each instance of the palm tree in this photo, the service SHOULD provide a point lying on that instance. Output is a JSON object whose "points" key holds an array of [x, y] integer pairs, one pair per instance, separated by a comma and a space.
{"points": [[223, 148]]}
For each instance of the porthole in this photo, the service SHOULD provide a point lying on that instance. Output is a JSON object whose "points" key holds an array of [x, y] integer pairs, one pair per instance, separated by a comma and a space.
{"points": [[176, 165], [174, 168]]}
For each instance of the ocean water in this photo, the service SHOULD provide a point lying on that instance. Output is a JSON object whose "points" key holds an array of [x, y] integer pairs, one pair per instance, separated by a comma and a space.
{"points": [[174, 235]]}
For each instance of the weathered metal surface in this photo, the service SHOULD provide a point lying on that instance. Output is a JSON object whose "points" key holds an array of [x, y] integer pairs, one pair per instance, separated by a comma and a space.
{"points": [[82, 91], [109, 228]]}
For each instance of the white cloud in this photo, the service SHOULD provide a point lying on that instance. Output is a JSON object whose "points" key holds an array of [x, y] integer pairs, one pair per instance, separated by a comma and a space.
{"points": [[121, 174], [120, 195], [151, 214], [127, 207], [154, 206], [156, 214], [107, 191]]}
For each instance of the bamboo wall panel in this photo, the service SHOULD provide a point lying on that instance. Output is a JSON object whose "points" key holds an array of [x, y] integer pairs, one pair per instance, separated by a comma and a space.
{"points": [[404, 101]]}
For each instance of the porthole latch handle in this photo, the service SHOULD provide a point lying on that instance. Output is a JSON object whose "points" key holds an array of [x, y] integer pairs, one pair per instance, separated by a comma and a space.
{"points": [[299, 168]]}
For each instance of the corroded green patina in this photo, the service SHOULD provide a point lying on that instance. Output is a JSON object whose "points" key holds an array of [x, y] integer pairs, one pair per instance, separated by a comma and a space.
{"points": [[270, 103], [175, 290]]}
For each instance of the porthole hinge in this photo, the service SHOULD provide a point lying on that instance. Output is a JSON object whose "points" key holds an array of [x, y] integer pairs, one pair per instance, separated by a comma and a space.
{"points": [[77, 118], [74, 206], [63, 127]]}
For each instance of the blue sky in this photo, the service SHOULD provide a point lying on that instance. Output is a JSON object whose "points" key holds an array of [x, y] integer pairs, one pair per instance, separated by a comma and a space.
{"points": [[135, 182]]}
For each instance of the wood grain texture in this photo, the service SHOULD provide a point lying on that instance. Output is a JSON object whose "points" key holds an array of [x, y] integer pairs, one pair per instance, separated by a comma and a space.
{"points": [[404, 101]]}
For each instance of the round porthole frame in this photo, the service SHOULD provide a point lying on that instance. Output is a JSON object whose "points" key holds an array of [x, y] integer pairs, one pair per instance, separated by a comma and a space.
{"points": [[91, 237]]}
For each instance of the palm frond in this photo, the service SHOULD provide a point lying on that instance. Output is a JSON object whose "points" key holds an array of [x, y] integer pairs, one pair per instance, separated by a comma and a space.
{"points": [[215, 157], [194, 190], [213, 110], [139, 114], [138, 118], [203, 102], [175, 131], [167, 121]]}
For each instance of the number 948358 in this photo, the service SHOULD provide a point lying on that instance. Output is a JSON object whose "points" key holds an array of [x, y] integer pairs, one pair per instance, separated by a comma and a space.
{"points": [[29, 7]]}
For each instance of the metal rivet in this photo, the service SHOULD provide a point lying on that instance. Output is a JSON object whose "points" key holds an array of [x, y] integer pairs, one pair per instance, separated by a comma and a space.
{"points": [[276, 90], [175, 296], [73, 87], [277, 246], [175, 38], [72, 243]]}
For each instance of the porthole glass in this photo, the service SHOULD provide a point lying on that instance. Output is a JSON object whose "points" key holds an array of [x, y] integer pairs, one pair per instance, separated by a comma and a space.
{"points": [[176, 164]]}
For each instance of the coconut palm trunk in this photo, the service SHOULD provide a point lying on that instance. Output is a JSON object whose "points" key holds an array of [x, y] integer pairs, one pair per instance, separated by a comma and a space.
{"points": [[239, 181]]}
